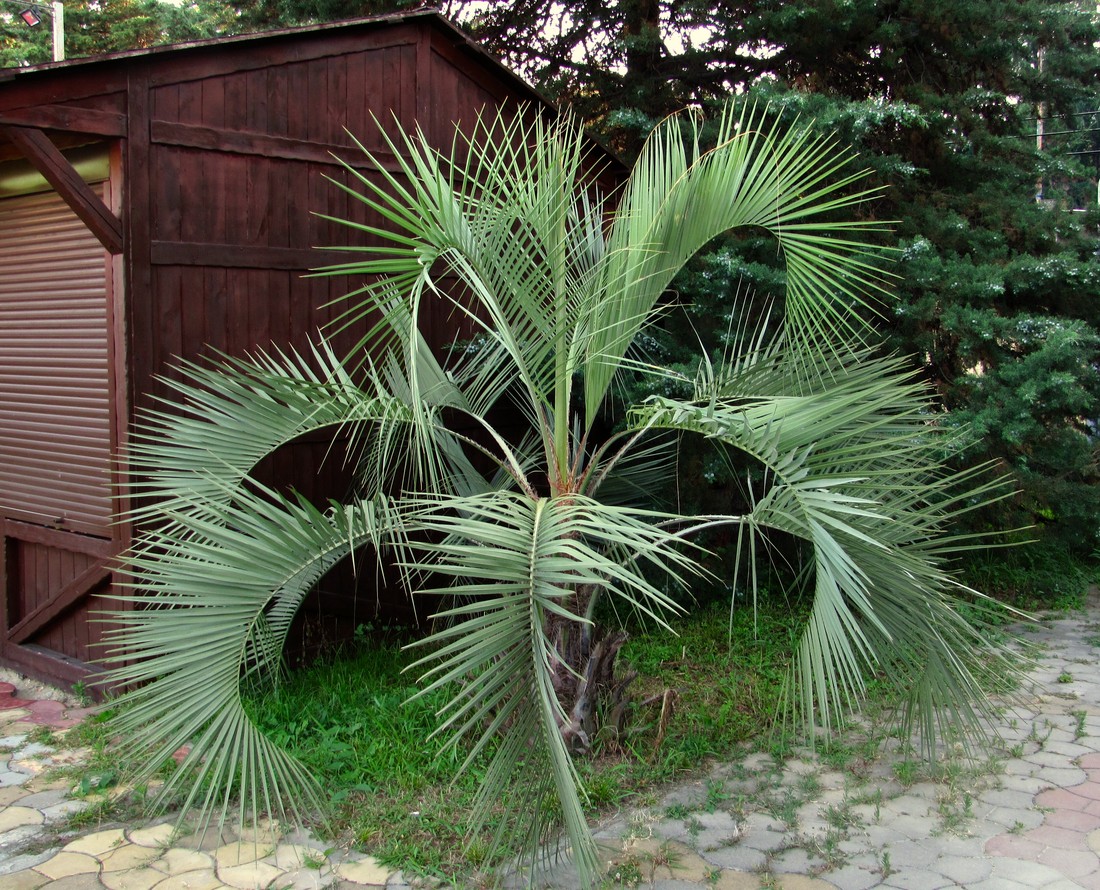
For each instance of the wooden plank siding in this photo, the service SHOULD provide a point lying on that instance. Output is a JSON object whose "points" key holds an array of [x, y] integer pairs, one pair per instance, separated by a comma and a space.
{"points": [[222, 150]]}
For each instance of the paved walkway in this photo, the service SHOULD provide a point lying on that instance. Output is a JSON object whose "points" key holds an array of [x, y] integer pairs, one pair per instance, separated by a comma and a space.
{"points": [[852, 819], [40, 849], [1027, 818]]}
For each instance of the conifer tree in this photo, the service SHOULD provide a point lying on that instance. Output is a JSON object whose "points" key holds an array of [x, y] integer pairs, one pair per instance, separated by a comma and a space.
{"points": [[998, 283]]}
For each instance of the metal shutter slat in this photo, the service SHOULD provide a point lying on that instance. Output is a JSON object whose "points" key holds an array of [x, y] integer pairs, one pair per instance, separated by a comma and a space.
{"points": [[55, 417]]}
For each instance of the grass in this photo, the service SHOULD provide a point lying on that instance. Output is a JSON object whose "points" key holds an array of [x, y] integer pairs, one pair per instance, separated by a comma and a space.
{"points": [[393, 790], [1031, 577]]}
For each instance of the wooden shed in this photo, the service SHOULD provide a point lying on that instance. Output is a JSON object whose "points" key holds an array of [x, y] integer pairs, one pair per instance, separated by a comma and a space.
{"points": [[159, 204]]}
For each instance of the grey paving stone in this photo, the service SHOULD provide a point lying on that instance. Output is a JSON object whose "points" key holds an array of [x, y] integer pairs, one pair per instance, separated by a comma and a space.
{"points": [[713, 839], [796, 861], [1028, 818], [10, 777], [17, 838], [34, 749], [1061, 777], [909, 855], [1048, 758], [10, 864], [1028, 874], [853, 877], [1072, 750], [964, 870], [916, 879], [44, 798], [737, 857], [1009, 798], [1031, 784], [64, 809]]}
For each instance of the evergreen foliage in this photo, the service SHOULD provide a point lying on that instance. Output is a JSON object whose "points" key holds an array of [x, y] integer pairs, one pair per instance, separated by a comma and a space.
{"points": [[997, 292], [93, 27]]}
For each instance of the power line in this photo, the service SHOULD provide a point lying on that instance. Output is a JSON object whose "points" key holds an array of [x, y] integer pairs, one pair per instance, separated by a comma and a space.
{"points": [[1048, 117]]}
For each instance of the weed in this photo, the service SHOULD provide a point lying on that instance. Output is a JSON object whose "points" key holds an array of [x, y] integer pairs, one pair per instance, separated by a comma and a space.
{"points": [[95, 781], [1039, 737], [1018, 827], [1039, 576], [1065, 677], [809, 785], [716, 795], [1079, 730], [887, 870], [83, 696], [955, 817], [42, 735], [907, 772], [841, 817], [784, 808], [678, 811], [314, 860], [627, 873]]}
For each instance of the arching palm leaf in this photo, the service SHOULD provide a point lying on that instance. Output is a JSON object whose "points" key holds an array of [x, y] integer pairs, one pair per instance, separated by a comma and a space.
{"points": [[523, 535]]}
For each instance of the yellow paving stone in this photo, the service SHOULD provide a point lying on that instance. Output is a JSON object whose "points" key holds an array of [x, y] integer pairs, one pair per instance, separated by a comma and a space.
{"points": [[98, 842], [128, 856], [364, 871], [204, 879], [68, 756], [266, 831], [178, 860], [51, 785], [251, 876], [132, 879], [13, 793], [675, 860], [241, 853], [1093, 840], [290, 856], [153, 836], [13, 817], [65, 864], [24, 880]]}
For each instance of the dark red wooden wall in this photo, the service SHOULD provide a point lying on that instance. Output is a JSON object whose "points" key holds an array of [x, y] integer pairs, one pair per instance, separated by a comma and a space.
{"points": [[222, 152]]}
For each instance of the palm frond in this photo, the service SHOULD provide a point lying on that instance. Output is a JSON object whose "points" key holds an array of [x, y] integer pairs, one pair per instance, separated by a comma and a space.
{"points": [[517, 562], [679, 198], [852, 469], [218, 587]]}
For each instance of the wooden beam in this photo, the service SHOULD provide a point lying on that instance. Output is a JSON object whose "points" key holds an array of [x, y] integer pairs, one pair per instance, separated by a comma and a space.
{"points": [[265, 146], [68, 118], [37, 148], [241, 256], [69, 595], [57, 538], [53, 667]]}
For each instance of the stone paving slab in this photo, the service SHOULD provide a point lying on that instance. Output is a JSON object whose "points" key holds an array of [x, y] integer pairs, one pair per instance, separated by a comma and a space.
{"points": [[1029, 820]]}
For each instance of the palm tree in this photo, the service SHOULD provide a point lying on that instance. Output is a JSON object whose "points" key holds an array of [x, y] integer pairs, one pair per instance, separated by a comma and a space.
{"points": [[520, 536]]}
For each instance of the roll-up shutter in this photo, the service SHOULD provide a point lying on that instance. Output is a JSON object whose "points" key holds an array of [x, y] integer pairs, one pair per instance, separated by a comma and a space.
{"points": [[55, 418]]}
